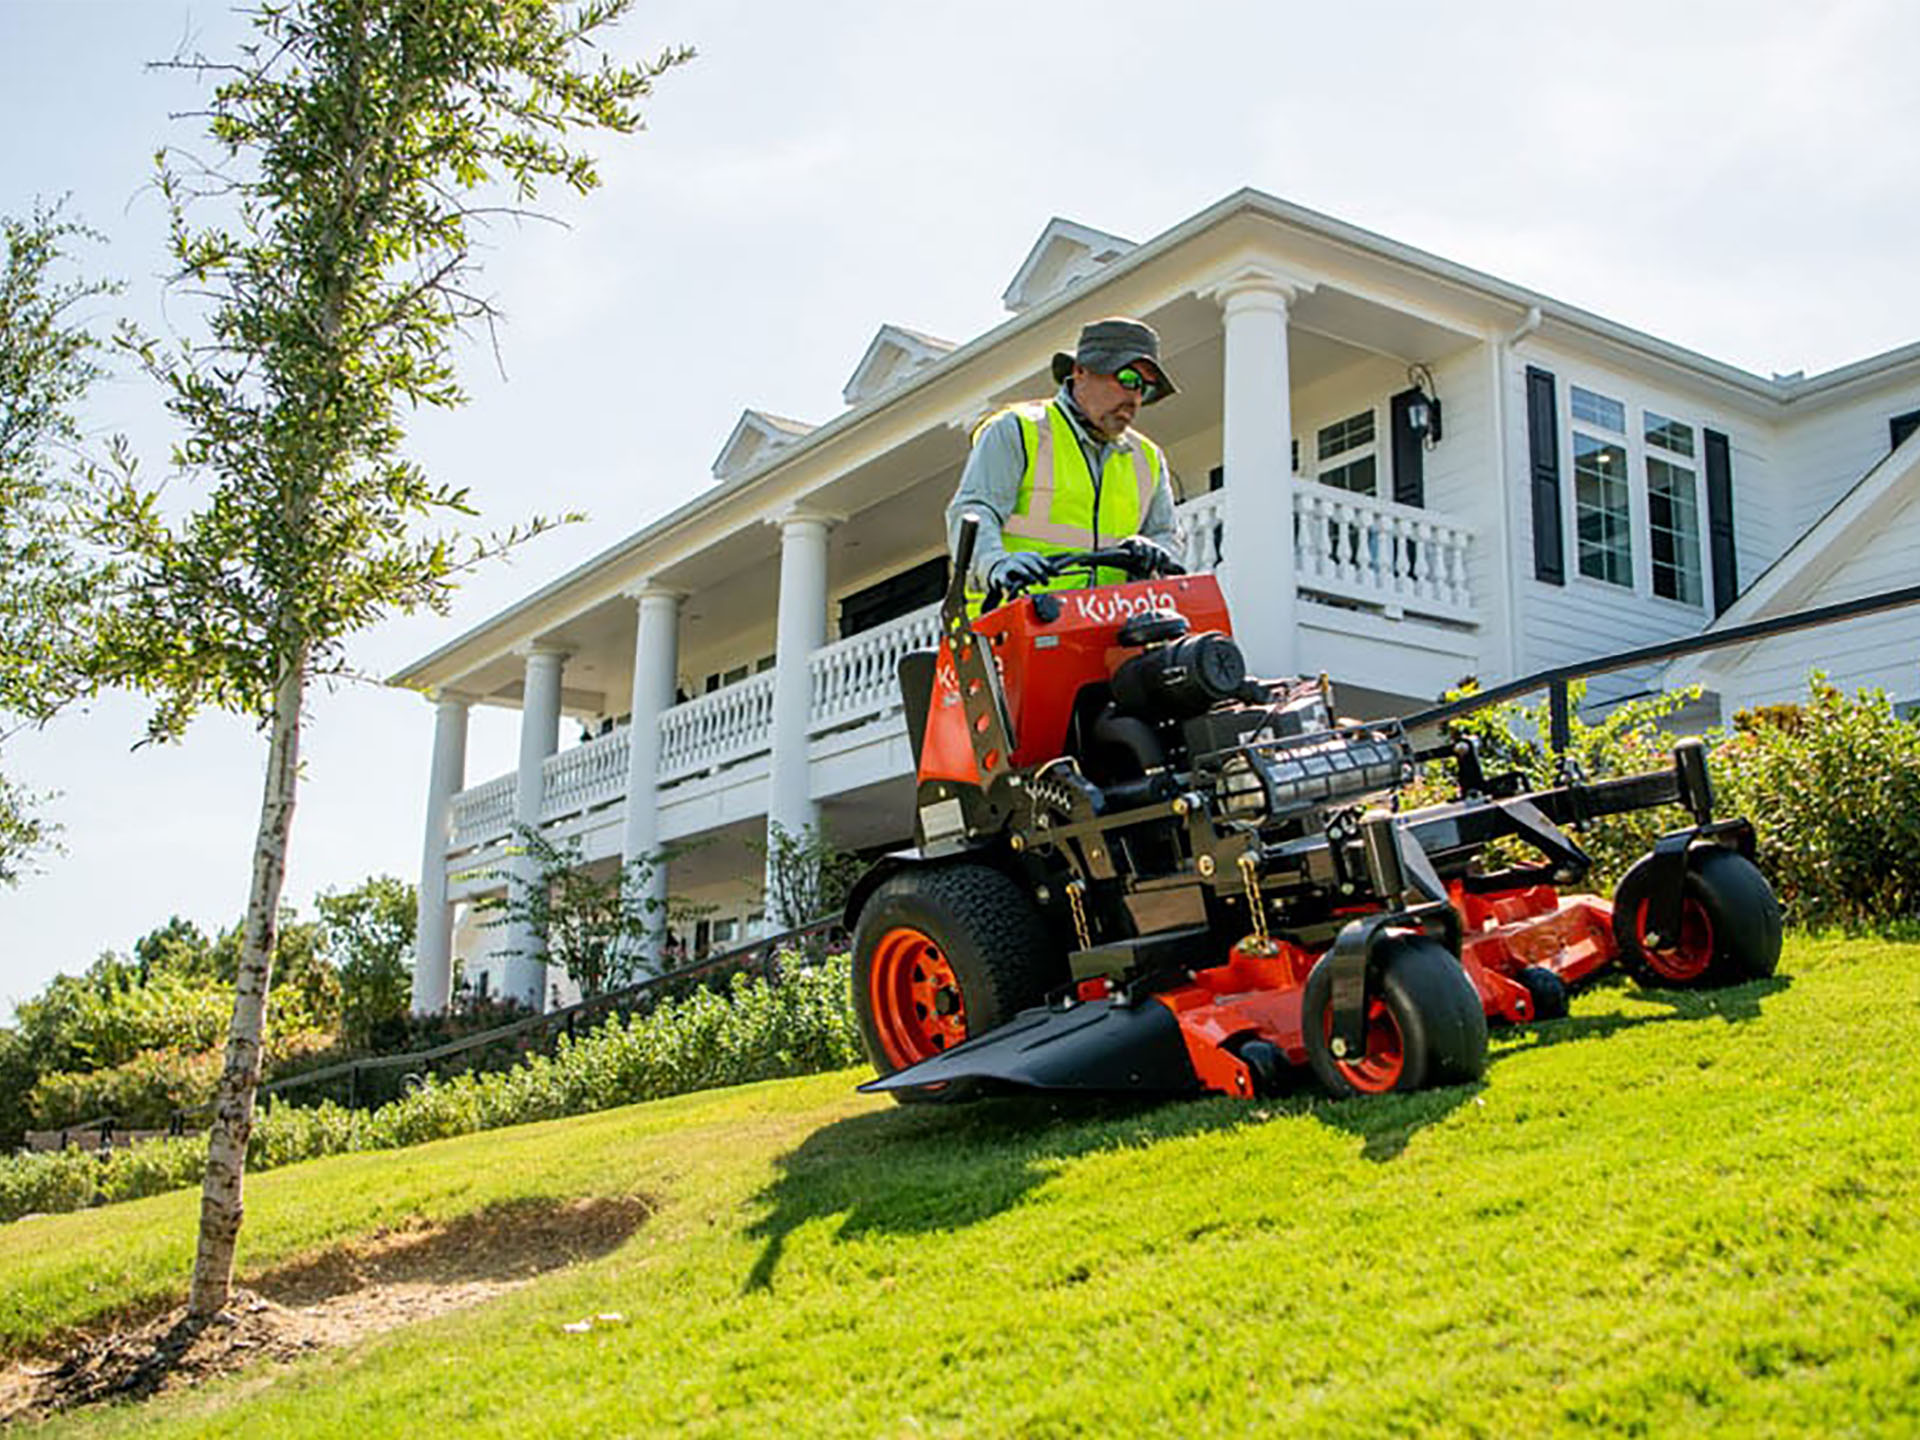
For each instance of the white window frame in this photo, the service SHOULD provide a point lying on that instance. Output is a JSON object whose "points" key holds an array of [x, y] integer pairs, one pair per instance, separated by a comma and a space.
{"points": [[1687, 462], [1599, 430], [1637, 410], [1326, 466]]}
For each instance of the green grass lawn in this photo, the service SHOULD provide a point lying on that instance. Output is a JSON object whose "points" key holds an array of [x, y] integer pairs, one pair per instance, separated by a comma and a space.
{"points": [[1663, 1215]]}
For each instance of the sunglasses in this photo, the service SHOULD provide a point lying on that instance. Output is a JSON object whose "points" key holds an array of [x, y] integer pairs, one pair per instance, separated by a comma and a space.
{"points": [[1131, 379]]}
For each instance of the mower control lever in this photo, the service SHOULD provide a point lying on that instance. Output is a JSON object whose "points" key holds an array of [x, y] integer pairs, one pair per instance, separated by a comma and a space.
{"points": [[1136, 565]]}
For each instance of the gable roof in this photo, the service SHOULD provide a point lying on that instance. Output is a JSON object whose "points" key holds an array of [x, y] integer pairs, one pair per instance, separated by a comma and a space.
{"points": [[756, 436], [1792, 581], [1065, 252], [895, 353]]}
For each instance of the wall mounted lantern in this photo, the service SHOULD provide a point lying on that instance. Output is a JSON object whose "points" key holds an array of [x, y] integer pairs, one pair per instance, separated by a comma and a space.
{"points": [[1423, 415]]}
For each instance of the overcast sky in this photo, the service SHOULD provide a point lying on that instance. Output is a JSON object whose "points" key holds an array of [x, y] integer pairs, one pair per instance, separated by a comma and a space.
{"points": [[1736, 178]]}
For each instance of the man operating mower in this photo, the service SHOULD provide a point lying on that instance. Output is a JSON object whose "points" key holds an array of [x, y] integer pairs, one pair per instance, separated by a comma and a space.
{"points": [[1071, 474]]}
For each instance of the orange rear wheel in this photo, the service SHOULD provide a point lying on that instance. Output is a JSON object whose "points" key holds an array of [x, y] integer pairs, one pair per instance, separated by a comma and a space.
{"points": [[942, 953], [914, 998]]}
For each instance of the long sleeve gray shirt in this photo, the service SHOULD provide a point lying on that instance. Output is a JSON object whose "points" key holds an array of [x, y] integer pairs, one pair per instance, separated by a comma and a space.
{"points": [[990, 487]]}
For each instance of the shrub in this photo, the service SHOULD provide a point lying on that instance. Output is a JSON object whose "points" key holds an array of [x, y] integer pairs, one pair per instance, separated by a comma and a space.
{"points": [[141, 1094], [1833, 790], [91, 1024], [758, 1030]]}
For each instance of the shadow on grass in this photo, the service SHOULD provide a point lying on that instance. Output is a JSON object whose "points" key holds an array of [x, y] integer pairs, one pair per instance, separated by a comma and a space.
{"points": [[1735, 1005], [922, 1168]]}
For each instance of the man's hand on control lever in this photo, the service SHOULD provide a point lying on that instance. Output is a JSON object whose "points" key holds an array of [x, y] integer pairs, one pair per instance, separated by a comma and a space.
{"points": [[1152, 556], [1018, 569]]}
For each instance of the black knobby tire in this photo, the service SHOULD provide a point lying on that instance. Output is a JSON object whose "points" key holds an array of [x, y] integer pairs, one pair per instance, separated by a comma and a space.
{"points": [[1730, 931], [1546, 990], [927, 933], [1425, 1026]]}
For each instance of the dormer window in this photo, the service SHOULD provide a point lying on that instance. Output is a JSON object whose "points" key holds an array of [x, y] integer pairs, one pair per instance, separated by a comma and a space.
{"points": [[895, 355], [756, 437], [1064, 255]]}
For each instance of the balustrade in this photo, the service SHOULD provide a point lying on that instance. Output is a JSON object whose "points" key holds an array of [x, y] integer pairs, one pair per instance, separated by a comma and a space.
{"points": [[1202, 524], [856, 679], [483, 813], [1358, 547], [717, 729], [586, 776]]}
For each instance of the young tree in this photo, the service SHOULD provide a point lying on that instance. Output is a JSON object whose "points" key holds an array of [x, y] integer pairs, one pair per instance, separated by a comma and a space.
{"points": [[603, 931], [358, 144], [808, 876], [48, 360]]}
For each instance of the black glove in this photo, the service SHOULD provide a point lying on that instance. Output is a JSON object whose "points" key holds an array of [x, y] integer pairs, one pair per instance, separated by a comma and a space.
{"points": [[1153, 557], [1018, 569]]}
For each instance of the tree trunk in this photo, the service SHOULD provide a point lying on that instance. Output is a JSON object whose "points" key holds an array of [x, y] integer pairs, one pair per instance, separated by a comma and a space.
{"points": [[220, 1197]]}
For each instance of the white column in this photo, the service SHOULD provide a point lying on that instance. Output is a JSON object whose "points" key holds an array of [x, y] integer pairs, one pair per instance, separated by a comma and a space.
{"points": [[539, 737], [433, 925], [1257, 561], [801, 630], [656, 663]]}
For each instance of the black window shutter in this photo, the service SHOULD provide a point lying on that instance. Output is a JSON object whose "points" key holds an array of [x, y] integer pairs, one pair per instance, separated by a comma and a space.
{"points": [[1409, 455], [1543, 448], [1726, 564], [1901, 426]]}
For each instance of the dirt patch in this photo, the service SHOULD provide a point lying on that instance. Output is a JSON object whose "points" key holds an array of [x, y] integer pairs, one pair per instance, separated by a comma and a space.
{"points": [[392, 1278]]}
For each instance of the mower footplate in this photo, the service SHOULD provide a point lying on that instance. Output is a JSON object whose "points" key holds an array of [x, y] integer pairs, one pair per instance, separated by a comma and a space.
{"points": [[1094, 1045]]}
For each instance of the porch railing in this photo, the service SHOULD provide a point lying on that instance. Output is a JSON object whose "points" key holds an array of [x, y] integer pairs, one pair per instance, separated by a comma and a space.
{"points": [[585, 776], [855, 679], [1399, 557], [1355, 548], [483, 813], [717, 729]]}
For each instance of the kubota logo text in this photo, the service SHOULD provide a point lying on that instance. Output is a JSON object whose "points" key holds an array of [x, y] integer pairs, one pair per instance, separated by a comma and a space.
{"points": [[1110, 607]]}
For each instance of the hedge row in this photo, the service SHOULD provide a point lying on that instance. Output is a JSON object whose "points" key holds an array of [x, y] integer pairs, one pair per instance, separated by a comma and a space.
{"points": [[758, 1030]]}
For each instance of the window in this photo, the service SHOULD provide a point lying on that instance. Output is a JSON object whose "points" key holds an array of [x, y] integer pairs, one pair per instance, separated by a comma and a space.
{"points": [[1602, 506], [735, 675], [1673, 511], [1599, 410], [1349, 444], [1637, 471]]}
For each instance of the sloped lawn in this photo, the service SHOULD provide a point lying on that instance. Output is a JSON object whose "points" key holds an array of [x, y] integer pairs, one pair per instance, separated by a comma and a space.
{"points": [[1663, 1215]]}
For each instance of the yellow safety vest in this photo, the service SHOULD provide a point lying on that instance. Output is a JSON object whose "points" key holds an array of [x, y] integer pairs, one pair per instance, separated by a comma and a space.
{"points": [[1055, 510]]}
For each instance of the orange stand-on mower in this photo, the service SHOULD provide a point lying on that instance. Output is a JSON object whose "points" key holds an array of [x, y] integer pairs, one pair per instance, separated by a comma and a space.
{"points": [[1140, 870]]}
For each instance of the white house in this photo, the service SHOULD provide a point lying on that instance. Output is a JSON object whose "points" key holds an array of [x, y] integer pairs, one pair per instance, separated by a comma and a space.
{"points": [[1579, 488]]}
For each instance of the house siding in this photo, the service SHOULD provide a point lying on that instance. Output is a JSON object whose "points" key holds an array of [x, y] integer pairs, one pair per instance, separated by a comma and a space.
{"points": [[1881, 651], [1829, 445], [1587, 618]]}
